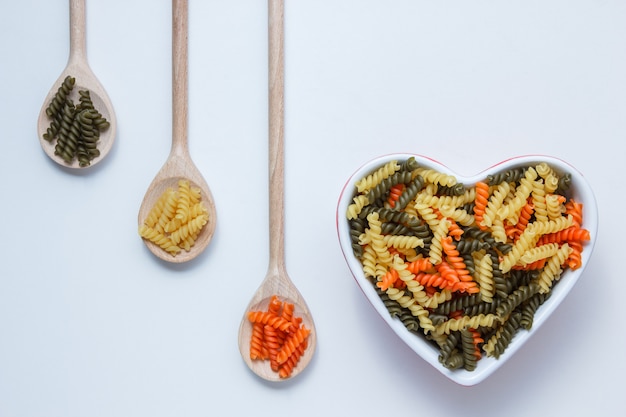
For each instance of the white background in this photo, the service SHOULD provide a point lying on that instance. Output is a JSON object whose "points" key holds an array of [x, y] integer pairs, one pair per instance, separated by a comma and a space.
{"points": [[92, 324]]}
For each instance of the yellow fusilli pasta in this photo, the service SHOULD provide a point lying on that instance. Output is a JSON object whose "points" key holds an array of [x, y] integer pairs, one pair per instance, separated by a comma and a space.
{"points": [[403, 242], [539, 252], [552, 270], [176, 219], [495, 202], [436, 177], [159, 239], [484, 276], [436, 249], [480, 320], [379, 175], [510, 211]]}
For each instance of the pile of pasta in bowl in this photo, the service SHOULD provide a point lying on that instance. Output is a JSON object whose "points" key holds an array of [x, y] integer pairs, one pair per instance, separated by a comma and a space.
{"points": [[465, 270]]}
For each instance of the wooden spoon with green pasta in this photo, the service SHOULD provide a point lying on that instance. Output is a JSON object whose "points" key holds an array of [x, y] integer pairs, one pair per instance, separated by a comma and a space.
{"points": [[179, 165], [71, 133]]}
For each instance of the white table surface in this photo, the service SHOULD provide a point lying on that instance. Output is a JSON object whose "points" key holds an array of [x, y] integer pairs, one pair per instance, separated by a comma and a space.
{"points": [[92, 324]]}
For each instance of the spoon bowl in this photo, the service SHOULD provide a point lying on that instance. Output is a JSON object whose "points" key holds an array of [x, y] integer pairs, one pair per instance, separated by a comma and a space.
{"points": [[175, 169], [78, 68], [179, 165], [277, 281]]}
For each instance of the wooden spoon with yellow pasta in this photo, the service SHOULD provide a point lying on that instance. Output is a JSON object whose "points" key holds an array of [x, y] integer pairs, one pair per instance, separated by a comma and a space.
{"points": [[177, 216]]}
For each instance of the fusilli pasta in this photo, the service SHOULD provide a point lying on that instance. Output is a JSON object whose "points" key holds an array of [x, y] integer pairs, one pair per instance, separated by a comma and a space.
{"points": [[465, 267]]}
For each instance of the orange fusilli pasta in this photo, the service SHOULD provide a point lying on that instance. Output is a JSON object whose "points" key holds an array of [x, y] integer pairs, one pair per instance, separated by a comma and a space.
{"points": [[278, 336]]}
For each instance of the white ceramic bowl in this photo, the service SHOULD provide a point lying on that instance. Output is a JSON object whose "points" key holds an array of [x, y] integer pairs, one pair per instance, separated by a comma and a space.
{"points": [[580, 191]]}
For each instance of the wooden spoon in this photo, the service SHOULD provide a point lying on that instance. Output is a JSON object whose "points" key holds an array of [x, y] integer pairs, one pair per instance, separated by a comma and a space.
{"points": [[276, 281], [78, 67], [179, 165]]}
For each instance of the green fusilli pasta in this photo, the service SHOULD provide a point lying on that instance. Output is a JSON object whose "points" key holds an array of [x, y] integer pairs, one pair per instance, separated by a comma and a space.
{"points": [[76, 128]]}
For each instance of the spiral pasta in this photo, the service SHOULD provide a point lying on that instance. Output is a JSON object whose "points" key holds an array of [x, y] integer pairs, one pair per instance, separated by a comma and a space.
{"points": [[470, 341], [178, 215], [510, 210], [403, 242], [60, 97], [278, 335], [552, 271], [484, 277], [498, 343], [270, 318], [539, 252], [75, 127], [480, 320], [436, 177], [159, 239], [257, 350], [272, 342], [379, 175], [435, 251], [465, 267], [355, 208], [291, 344], [550, 178]]}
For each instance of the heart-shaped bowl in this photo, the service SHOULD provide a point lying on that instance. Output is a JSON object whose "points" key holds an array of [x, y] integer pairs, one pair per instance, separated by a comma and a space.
{"points": [[466, 331]]}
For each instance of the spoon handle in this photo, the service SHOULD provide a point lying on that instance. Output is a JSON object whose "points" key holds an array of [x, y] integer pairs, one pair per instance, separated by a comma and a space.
{"points": [[276, 133], [179, 76], [78, 48]]}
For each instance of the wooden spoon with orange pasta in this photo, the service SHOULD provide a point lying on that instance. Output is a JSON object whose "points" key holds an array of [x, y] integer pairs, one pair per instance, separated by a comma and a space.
{"points": [[277, 282]]}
